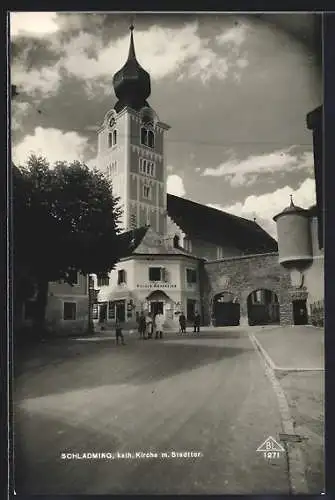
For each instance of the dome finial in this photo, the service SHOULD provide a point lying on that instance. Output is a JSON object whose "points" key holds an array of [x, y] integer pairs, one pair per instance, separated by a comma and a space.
{"points": [[292, 204], [131, 53]]}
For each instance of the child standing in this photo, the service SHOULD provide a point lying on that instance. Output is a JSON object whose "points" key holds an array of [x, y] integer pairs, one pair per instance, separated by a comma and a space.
{"points": [[118, 332]]}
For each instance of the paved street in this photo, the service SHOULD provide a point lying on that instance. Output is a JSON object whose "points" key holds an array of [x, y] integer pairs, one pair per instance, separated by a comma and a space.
{"points": [[207, 395]]}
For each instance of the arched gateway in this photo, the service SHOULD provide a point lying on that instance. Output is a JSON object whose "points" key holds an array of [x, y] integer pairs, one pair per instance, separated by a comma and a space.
{"points": [[263, 307], [226, 310]]}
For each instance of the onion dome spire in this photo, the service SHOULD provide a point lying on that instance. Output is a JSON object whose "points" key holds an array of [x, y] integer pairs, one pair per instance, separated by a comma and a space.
{"points": [[131, 83]]}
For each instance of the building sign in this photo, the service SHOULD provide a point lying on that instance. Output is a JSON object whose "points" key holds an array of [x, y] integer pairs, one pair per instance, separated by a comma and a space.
{"points": [[156, 285], [298, 294]]}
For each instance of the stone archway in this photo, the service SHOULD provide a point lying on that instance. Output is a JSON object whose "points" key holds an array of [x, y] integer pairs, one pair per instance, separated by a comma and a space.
{"points": [[263, 307], [225, 309]]}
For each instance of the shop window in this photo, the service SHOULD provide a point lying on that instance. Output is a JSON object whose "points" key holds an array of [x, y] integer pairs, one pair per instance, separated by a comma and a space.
{"points": [[69, 310], [111, 310]]}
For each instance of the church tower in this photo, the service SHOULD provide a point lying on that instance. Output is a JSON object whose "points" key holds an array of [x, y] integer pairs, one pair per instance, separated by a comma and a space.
{"points": [[131, 148]]}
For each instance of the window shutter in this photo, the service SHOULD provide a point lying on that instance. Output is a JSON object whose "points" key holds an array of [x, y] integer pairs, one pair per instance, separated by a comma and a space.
{"points": [[165, 275]]}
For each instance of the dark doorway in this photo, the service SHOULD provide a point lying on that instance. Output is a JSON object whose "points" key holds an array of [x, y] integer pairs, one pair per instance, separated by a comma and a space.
{"points": [[263, 308], [120, 310], [300, 316], [226, 312], [156, 307], [190, 309]]}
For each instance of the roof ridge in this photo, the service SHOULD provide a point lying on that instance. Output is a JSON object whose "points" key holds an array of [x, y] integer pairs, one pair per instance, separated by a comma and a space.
{"points": [[213, 208]]}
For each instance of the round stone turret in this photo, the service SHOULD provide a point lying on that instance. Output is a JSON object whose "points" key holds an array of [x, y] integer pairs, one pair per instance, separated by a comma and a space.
{"points": [[294, 238]]}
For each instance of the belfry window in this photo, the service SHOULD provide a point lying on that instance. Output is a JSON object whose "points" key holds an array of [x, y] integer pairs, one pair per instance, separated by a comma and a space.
{"points": [[147, 137], [151, 139]]}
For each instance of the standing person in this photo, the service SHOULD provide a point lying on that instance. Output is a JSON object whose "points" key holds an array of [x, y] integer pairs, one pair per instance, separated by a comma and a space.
{"points": [[141, 325], [118, 332], [149, 325], [159, 321], [182, 323], [197, 320]]}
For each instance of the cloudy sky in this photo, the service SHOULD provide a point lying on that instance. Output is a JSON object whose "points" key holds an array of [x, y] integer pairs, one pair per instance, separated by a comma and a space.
{"points": [[235, 91]]}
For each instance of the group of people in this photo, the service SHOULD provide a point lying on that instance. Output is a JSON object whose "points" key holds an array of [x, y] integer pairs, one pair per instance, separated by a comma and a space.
{"points": [[196, 323], [149, 324]]}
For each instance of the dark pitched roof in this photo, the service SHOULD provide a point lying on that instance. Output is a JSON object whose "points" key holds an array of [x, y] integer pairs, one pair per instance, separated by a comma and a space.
{"points": [[220, 228], [144, 241], [130, 240]]}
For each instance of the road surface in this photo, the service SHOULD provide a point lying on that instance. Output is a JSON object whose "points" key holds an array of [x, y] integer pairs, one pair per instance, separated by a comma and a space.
{"points": [[205, 396]]}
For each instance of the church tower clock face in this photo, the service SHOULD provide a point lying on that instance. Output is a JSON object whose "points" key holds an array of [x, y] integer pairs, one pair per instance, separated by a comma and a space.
{"points": [[131, 149], [112, 121]]}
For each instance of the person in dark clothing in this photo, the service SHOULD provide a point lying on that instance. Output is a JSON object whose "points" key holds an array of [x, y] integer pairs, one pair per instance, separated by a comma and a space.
{"points": [[197, 320], [118, 332], [142, 326], [182, 323]]}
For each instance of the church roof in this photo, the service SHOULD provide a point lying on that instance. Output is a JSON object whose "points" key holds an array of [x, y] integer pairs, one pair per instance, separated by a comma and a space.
{"points": [[218, 227]]}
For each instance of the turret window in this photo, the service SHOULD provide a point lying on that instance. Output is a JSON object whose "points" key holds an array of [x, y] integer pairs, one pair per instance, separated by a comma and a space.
{"points": [[147, 167], [147, 137]]}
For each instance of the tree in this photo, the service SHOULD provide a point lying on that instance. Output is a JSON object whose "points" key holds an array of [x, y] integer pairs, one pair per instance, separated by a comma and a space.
{"points": [[65, 219]]}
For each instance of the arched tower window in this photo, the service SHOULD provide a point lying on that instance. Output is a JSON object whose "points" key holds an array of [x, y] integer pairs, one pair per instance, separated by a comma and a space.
{"points": [[114, 137], [144, 134], [147, 137], [110, 140], [151, 139]]}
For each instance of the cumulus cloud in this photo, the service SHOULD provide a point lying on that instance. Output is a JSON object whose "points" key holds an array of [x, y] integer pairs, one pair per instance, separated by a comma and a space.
{"points": [[235, 35], [45, 80], [264, 207], [19, 109], [175, 185], [52, 144], [162, 51], [36, 24], [245, 172]]}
